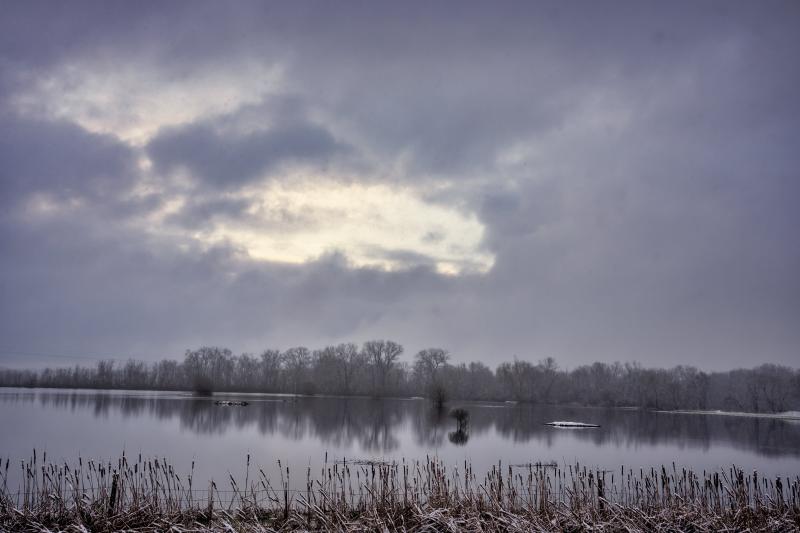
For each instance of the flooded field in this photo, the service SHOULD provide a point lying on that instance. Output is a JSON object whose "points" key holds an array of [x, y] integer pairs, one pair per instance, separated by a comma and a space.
{"points": [[301, 432]]}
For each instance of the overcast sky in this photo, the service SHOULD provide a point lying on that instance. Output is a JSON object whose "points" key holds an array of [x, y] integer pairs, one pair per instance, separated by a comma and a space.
{"points": [[587, 181]]}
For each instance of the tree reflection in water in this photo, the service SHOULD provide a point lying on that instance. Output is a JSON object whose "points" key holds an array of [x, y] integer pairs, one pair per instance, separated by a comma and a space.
{"points": [[375, 425]]}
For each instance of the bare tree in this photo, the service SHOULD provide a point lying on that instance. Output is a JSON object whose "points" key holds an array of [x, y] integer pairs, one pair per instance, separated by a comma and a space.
{"points": [[428, 362], [105, 374], [209, 368], [271, 363], [352, 363], [376, 368], [246, 373], [549, 372], [297, 361], [427, 365], [383, 355]]}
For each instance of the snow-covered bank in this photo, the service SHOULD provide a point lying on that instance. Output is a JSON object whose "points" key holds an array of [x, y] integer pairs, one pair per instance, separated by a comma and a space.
{"points": [[787, 415]]}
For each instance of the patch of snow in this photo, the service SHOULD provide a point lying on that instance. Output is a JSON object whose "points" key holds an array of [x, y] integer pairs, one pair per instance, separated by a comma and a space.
{"points": [[786, 415], [570, 424]]}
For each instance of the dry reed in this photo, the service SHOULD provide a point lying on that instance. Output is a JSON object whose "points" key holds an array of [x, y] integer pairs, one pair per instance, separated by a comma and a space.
{"points": [[148, 495]]}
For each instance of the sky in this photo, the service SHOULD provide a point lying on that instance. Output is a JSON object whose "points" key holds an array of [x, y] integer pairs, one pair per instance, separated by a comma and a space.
{"points": [[585, 181]]}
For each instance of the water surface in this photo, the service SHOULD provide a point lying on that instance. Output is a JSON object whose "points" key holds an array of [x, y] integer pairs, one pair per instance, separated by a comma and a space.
{"points": [[300, 432]]}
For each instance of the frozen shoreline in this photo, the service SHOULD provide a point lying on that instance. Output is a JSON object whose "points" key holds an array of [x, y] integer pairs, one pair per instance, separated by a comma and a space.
{"points": [[787, 415]]}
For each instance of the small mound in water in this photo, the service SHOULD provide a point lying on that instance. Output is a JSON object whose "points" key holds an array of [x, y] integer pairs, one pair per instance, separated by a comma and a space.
{"points": [[567, 424], [231, 403]]}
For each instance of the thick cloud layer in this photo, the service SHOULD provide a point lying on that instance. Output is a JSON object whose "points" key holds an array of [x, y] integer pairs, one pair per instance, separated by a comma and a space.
{"points": [[226, 160], [588, 182]]}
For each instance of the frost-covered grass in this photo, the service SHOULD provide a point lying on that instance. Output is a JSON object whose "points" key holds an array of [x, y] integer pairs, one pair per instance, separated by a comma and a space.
{"points": [[148, 495]]}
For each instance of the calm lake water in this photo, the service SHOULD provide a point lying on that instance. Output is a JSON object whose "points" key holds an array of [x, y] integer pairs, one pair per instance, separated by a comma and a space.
{"points": [[183, 428]]}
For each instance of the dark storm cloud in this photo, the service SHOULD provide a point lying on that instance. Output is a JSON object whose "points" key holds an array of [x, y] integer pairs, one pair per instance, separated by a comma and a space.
{"points": [[59, 158], [122, 288], [200, 212], [634, 164], [229, 161]]}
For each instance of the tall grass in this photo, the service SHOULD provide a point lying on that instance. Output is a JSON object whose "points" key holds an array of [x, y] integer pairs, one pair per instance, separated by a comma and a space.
{"points": [[148, 495]]}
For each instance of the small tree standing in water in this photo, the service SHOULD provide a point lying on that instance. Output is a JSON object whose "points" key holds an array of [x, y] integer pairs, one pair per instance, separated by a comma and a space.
{"points": [[462, 418], [460, 436], [427, 366]]}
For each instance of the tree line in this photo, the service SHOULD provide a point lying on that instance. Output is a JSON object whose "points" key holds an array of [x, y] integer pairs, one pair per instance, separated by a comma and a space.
{"points": [[375, 369]]}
